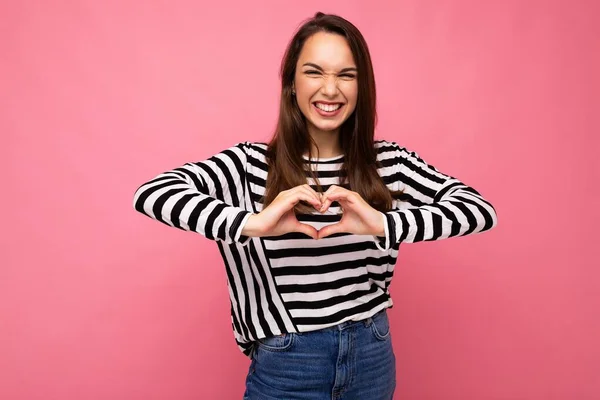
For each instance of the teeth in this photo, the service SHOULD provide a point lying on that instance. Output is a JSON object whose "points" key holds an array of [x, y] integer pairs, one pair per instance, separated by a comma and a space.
{"points": [[328, 107]]}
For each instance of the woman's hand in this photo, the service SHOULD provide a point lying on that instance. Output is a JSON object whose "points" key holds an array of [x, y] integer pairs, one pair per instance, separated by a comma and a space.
{"points": [[278, 218], [358, 216]]}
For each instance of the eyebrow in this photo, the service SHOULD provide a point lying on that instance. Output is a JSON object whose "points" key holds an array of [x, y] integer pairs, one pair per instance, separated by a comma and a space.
{"points": [[321, 69]]}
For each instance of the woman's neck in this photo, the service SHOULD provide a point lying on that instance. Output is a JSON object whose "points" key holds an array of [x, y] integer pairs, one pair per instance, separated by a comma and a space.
{"points": [[328, 144]]}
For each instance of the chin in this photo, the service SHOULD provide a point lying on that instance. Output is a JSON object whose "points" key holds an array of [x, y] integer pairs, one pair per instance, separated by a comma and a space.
{"points": [[327, 127]]}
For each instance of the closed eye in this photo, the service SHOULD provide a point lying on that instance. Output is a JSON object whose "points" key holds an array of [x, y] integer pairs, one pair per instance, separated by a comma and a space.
{"points": [[343, 75]]}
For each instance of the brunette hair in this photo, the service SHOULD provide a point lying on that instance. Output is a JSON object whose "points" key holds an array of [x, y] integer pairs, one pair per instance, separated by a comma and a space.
{"points": [[291, 139]]}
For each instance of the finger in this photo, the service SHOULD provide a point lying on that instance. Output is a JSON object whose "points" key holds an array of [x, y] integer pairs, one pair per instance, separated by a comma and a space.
{"points": [[298, 195], [342, 196], [338, 194], [332, 188], [308, 189], [286, 202], [325, 198], [326, 203], [304, 188], [329, 190], [311, 192]]}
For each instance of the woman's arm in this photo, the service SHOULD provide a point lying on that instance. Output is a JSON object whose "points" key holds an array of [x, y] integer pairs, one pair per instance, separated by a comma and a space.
{"points": [[433, 206], [203, 197]]}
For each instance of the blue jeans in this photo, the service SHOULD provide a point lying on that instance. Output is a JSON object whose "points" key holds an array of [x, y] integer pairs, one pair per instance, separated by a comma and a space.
{"points": [[350, 361]]}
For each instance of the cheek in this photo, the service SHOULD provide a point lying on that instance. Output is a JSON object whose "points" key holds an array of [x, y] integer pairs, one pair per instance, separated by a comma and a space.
{"points": [[351, 93], [308, 87]]}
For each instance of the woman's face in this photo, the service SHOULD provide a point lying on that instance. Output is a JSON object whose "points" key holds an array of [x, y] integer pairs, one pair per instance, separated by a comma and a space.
{"points": [[326, 83]]}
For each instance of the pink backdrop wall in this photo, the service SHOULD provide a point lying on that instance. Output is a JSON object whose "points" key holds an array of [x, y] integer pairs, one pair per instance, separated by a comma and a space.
{"points": [[99, 302]]}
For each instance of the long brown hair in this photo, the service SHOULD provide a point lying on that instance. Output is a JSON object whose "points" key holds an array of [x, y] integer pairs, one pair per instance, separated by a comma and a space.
{"points": [[291, 138]]}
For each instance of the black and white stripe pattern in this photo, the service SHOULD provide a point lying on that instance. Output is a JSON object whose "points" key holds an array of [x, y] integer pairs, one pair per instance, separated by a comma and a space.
{"points": [[293, 283]]}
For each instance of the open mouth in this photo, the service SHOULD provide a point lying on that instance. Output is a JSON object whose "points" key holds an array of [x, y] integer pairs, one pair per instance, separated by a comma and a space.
{"points": [[327, 109]]}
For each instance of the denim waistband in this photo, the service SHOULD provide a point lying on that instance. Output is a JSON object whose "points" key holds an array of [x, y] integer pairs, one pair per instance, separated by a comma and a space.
{"points": [[347, 324]]}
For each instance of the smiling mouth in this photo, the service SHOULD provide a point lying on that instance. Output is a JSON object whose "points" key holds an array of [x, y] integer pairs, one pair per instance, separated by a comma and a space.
{"points": [[328, 107]]}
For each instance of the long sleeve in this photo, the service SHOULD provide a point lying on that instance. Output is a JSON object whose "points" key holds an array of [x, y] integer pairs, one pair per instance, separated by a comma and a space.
{"points": [[433, 205], [202, 197]]}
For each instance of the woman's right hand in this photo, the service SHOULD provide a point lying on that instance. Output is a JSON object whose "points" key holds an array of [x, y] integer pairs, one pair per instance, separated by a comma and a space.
{"points": [[278, 218]]}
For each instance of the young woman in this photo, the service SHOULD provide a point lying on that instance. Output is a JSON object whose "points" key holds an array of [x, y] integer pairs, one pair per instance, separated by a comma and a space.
{"points": [[309, 225]]}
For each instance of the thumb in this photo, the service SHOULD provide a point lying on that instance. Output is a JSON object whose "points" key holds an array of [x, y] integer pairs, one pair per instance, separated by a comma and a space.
{"points": [[307, 230], [330, 230]]}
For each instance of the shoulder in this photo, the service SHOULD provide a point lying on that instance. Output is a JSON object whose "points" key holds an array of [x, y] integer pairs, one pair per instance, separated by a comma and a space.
{"points": [[253, 152], [392, 154], [249, 147], [388, 149]]}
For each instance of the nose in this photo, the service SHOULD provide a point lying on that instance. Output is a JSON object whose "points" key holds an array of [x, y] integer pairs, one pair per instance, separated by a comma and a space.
{"points": [[330, 86]]}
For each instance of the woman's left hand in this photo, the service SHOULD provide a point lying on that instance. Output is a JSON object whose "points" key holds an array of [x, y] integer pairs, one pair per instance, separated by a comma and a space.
{"points": [[358, 216]]}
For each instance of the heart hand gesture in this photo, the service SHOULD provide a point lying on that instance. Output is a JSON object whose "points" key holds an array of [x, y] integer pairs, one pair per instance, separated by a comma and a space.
{"points": [[279, 218], [358, 216]]}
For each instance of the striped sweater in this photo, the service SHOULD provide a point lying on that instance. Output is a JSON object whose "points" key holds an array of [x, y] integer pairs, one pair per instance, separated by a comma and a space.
{"points": [[293, 283]]}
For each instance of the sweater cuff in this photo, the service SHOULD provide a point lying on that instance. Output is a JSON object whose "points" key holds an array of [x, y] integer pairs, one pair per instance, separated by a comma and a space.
{"points": [[383, 243], [235, 231]]}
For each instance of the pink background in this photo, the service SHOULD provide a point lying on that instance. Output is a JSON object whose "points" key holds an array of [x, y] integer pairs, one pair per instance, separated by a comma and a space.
{"points": [[100, 302]]}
